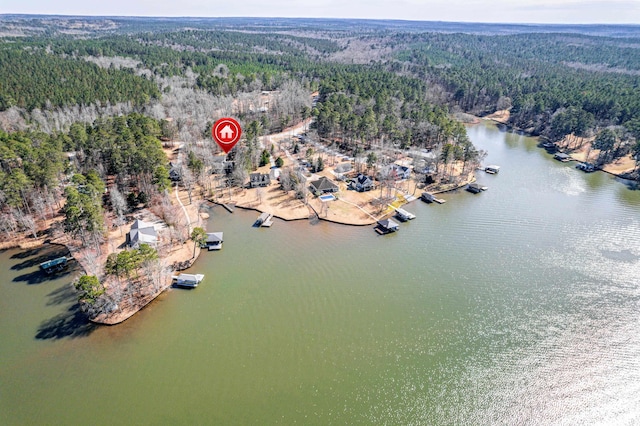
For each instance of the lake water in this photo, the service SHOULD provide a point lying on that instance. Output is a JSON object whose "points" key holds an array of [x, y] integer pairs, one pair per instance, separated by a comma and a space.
{"points": [[519, 305]]}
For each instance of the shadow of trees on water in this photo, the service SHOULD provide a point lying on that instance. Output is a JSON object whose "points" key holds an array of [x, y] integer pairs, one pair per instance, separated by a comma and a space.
{"points": [[70, 324], [39, 277], [65, 294], [35, 257]]}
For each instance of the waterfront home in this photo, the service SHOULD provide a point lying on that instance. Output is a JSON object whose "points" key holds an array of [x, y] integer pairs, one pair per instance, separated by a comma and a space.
{"points": [[214, 241], [395, 171], [259, 179], [561, 156], [142, 233], [386, 226], [362, 183], [323, 185]]}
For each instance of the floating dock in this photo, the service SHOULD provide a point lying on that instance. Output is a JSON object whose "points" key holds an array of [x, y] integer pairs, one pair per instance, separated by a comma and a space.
{"points": [[586, 167], [475, 188], [386, 226], [562, 157], [492, 169], [188, 280], [404, 215], [264, 220]]}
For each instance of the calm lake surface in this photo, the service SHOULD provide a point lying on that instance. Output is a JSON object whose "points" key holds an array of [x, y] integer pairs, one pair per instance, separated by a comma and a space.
{"points": [[520, 305]]}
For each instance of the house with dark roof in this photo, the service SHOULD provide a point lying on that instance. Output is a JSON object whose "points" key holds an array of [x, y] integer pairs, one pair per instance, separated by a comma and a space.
{"points": [[175, 174], [362, 183], [259, 179], [323, 185], [386, 226], [142, 233]]}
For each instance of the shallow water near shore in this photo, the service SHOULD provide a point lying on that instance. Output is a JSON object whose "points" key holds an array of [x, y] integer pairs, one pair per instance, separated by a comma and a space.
{"points": [[516, 305]]}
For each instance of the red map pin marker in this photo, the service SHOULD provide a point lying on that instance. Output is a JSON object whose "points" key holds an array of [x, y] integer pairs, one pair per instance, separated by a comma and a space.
{"points": [[226, 132]]}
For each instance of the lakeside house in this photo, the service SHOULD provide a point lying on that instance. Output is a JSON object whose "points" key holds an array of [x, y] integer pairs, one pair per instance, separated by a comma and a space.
{"points": [[259, 180], [323, 185], [362, 183], [142, 233], [395, 172]]}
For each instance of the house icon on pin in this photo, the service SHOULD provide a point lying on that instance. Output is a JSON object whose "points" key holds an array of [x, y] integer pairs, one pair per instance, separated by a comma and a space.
{"points": [[226, 133]]}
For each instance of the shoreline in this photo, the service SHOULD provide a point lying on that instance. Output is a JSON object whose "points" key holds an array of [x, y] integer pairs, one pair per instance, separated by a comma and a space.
{"points": [[541, 139], [143, 298]]}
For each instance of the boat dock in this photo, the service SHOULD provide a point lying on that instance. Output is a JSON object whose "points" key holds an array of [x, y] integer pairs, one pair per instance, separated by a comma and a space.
{"points": [[427, 197], [214, 241], [476, 188], [492, 169], [404, 215], [562, 157], [386, 226], [55, 265], [188, 280], [265, 219]]}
